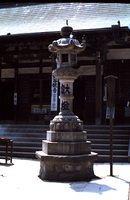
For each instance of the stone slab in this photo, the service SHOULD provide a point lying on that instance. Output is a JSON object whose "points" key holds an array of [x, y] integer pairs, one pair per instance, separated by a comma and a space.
{"points": [[66, 136], [66, 168], [66, 148]]}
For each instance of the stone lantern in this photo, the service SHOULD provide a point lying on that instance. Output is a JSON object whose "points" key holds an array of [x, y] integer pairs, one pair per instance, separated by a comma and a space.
{"points": [[66, 153]]}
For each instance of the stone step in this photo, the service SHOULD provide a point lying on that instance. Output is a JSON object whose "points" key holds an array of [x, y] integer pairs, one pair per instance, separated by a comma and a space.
{"points": [[20, 134], [28, 144], [106, 127], [106, 141], [118, 132], [107, 146], [116, 158], [22, 130], [107, 151], [28, 139], [107, 136], [22, 149]]}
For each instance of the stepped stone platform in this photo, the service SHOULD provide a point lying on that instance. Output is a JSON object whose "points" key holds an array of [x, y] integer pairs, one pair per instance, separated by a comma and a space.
{"points": [[65, 158]]}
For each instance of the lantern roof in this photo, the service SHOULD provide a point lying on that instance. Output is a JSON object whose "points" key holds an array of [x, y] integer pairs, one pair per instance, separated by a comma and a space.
{"points": [[67, 43]]}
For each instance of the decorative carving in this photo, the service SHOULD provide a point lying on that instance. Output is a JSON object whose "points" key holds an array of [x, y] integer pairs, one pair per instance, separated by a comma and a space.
{"points": [[66, 123]]}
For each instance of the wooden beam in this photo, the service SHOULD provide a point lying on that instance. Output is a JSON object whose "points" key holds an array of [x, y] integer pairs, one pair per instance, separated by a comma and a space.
{"points": [[129, 151], [98, 93]]}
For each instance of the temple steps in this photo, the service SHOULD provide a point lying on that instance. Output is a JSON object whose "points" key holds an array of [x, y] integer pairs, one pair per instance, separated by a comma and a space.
{"points": [[100, 139], [28, 139], [106, 158]]}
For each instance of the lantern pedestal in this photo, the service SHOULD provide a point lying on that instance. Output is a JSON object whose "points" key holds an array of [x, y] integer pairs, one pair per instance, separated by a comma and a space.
{"points": [[66, 154], [66, 168]]}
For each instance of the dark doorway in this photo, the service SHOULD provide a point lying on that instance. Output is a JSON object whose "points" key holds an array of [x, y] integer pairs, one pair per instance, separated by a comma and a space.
{"points": [[123, 96], [84, 98], [6, 100], [40, 98]]}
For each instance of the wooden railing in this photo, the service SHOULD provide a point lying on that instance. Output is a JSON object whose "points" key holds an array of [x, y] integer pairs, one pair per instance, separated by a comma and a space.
{"points": [[8, 143]]}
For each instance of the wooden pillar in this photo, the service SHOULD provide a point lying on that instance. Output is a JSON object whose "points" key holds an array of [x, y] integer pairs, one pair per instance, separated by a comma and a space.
{"points": [[0, 79], [110, 80], [40, 86], [16, 64], [0, 66], [98, 93]]}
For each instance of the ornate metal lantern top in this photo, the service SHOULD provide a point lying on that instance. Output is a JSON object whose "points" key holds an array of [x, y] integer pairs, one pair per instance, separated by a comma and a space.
{"points": [[67, 42]]}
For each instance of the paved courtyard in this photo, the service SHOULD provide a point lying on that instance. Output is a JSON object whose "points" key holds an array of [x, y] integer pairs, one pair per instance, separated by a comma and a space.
{"points": [[20, 181]]}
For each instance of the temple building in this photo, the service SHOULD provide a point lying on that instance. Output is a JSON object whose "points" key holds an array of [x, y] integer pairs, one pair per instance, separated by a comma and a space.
{"points": [[26, 64]]}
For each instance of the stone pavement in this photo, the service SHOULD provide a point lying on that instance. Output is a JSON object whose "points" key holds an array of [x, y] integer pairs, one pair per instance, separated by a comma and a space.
{"points": [[20, 181]]}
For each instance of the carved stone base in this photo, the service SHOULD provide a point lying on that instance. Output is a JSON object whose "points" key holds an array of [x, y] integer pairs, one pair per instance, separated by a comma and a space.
{"points": [[66, 154], [66, 168]]}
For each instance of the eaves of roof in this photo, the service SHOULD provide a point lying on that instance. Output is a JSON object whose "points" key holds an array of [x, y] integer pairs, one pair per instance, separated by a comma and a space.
{"points": [[50, 17]]}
